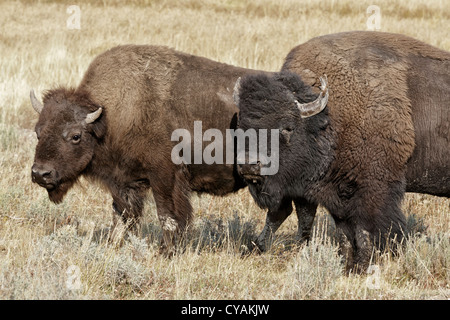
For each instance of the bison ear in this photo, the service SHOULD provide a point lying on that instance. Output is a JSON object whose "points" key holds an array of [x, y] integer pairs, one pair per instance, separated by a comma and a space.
{"points": [[236, 92], [312, 108], [37, 105]]}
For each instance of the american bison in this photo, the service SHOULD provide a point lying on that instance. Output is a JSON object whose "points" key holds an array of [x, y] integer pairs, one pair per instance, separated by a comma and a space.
{"points": [[378, 125], [116, 127]]}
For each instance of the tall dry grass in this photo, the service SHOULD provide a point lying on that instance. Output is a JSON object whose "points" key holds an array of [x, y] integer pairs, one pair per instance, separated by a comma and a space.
{"points": [[61, 252]]}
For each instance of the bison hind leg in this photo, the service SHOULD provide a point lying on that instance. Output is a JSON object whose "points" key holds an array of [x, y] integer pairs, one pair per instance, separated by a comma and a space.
{"points": [[356, 249], [363, 251], [345, 249]]}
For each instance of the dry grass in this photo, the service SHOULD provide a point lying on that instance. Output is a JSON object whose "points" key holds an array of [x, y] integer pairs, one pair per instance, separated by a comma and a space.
{"points": [[61, 252]]}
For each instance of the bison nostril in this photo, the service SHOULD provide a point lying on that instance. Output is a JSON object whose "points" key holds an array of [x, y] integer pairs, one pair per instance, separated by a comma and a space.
{"points": [[46, 174], [41, 174]]}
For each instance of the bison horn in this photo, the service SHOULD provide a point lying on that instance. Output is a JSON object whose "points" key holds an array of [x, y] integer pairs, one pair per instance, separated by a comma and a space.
{"points": [[35, 102], [91, 117], [312, 108], [237, 88]]}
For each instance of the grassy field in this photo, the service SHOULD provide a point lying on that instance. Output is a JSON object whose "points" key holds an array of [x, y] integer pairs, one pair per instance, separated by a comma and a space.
{"points": [[62, 252]]}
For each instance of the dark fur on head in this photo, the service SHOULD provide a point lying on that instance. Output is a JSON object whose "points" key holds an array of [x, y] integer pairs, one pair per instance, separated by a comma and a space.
{"points": [[70, 96]]}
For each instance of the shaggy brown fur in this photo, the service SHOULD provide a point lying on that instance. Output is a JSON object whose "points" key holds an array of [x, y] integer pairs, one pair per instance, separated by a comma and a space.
{"points": [[399, 84], [388, 117], [145, 92]]}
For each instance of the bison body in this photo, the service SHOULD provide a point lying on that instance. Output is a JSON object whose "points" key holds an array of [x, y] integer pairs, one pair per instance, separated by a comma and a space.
{"points": [[388, 78], [115, 128], [385, 130]]}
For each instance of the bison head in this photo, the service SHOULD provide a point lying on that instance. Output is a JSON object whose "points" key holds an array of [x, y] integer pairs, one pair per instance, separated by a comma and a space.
{"points": [[282, 101], [70, 125]]}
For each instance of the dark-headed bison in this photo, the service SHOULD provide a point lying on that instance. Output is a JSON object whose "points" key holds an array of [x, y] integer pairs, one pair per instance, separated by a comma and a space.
{"points": [[378, 127]]}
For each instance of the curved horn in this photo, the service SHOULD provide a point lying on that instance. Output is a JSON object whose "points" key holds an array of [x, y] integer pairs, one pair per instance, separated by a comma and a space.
{"points": [[37, 105], [312, 108], [91, 117], [237, 88]]}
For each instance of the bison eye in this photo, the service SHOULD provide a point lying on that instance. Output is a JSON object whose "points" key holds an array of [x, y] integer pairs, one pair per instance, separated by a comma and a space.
{"points": [[76, 138]]}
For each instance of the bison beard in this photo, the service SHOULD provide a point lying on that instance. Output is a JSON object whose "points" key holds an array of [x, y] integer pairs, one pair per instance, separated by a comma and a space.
{"points": [[57, 193], [267, 193]]}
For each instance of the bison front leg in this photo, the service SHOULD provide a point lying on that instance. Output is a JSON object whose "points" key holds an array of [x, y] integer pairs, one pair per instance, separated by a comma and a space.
{"points": [[306, 212], [128, 205], [274, 220], [126, 215]]}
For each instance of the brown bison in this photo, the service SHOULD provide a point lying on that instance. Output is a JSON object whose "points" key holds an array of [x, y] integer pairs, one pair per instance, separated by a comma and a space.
{"points": [[116, 127], [377, 127]]}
